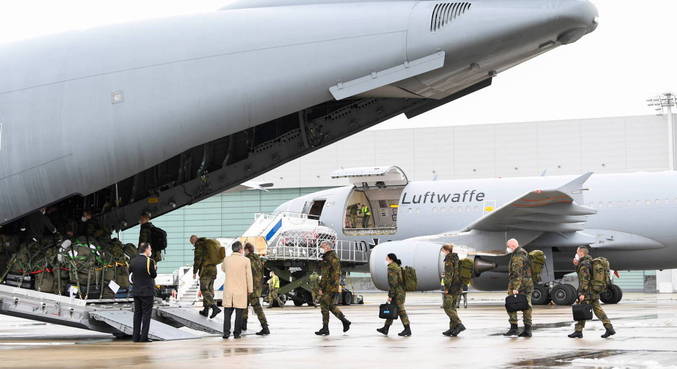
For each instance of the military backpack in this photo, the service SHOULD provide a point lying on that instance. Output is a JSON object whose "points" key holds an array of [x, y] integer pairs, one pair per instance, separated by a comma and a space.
{"points": [[158, 238], [409, 278], [537, 260], [213, 253], [601, 276], [465, 271]]}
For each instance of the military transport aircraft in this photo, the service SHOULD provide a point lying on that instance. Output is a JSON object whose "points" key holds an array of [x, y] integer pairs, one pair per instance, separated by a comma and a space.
{"points": [[627, 218], [158, 114]]}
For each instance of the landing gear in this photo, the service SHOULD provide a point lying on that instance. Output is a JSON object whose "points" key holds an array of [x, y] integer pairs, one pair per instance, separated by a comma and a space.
{"points": [[612, 296], [347, 297], [563, 294], [541, 295]]}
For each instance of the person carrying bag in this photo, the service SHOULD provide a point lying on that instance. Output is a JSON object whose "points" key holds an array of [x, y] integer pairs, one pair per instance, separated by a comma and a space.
{"points": [[396, 296]]}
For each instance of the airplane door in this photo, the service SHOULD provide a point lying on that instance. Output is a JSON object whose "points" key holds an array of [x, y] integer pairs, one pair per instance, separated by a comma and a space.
{"points": [[316, 209]]}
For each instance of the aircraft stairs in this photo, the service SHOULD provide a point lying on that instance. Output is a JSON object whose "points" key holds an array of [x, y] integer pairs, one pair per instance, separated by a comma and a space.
{"points": [[114, 316]]}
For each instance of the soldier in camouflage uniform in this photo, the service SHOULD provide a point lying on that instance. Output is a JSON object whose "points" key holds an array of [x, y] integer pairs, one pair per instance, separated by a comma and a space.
{"points": [[254, 297], [583, 263], [329, 287], [207, 273], [452, 291], [519, 282], [397, 295], [314, 285], [145, 234]]}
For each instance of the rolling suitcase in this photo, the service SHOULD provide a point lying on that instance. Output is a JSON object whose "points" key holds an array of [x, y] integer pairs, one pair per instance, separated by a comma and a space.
{"points": [[387, 311], [582, 312], [516, 303]]}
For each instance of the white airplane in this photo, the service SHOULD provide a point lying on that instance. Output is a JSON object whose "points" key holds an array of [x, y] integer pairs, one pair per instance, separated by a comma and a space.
{"points": [[628, 218]]}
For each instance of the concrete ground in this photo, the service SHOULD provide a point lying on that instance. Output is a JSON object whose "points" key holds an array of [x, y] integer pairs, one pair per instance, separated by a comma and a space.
{"points": [[646, 325]]}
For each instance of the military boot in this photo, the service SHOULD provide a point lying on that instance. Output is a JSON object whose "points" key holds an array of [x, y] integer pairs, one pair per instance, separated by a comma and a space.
{"points": [[512, 331], [244, 324], [264, 331], [324, 331], [576, 334], [447, 332], [204, 312], [458, 329], [215, 311], [346, 324], [383, 330], [406, 332], [609, 331], [526, 332]]}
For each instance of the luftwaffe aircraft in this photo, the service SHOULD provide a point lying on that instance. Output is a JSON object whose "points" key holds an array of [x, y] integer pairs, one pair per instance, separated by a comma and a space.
{"points": [[158, 114]]}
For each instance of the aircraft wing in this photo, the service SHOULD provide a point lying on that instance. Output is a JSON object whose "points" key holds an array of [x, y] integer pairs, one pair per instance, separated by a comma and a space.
{"points": [[553, 210]]}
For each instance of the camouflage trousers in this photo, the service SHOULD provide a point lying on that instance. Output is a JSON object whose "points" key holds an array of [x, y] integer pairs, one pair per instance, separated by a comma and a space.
{"points": [[207, 277], [255, 303], [401, 311], [450, 303], [526, 314], [326, 305], [599, 313]]}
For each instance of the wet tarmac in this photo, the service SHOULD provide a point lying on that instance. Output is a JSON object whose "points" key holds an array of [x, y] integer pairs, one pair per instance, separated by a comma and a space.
{"points": [[646, 326]]}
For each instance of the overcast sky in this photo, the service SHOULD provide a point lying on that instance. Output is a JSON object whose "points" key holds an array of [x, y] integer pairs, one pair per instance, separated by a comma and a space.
{"points": [[610, 72]]}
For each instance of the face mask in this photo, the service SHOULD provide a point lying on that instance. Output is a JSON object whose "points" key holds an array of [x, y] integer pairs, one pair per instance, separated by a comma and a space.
{"points": [[84, 219], [508, 250], [577, 258]]}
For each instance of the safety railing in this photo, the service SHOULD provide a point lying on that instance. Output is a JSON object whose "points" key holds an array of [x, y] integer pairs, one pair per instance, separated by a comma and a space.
{"points": [[309, 249]]}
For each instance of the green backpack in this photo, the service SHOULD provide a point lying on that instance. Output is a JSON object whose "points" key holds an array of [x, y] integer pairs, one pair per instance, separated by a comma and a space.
{"points": [[537, 260], [409, 278], [213, 253], [465, 271], [601, 276]]}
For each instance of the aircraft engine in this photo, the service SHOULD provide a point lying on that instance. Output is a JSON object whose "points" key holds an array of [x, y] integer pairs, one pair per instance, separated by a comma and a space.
{"points": [[491, 281], [425, 257]]}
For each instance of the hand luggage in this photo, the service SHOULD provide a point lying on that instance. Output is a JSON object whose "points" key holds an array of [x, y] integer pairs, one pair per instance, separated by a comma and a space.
{"points": [[516, 303], [387, 311], [582, 312]]}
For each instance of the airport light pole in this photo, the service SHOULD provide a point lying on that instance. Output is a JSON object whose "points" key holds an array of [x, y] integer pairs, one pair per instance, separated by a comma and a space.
{"points": [[663, 104], [666, 279]]}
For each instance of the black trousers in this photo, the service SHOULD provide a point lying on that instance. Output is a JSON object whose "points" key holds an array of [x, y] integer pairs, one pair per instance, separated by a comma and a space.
{"points": [[143, 307], [227, 312]]}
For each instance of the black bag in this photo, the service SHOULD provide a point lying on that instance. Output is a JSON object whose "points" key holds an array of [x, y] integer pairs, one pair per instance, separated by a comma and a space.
{"points": [[582, 312], [387, 311], [516, 303], [158, 238]]}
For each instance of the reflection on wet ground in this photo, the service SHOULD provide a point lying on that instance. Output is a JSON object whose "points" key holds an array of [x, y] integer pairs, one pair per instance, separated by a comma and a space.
{"points": [[647, 338]]}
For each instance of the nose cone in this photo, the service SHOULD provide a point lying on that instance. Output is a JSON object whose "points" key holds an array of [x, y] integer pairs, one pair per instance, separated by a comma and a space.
{"points": [[581, 17]]}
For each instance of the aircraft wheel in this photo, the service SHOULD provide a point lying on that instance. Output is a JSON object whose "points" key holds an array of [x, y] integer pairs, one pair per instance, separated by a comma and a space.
{"points": [[563, 294], [541, 295], [613, 295], [347, 298]]}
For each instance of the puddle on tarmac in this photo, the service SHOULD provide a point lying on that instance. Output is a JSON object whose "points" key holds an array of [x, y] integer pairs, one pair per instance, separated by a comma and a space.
{"points": [[563, 359]]}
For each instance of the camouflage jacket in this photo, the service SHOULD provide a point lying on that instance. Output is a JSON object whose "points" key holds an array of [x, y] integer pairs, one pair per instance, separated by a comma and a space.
{"points": [[199, 254], [395, 281], [257, 273], [330, 272], [451, 278], [584, 271], [519, 272]]}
